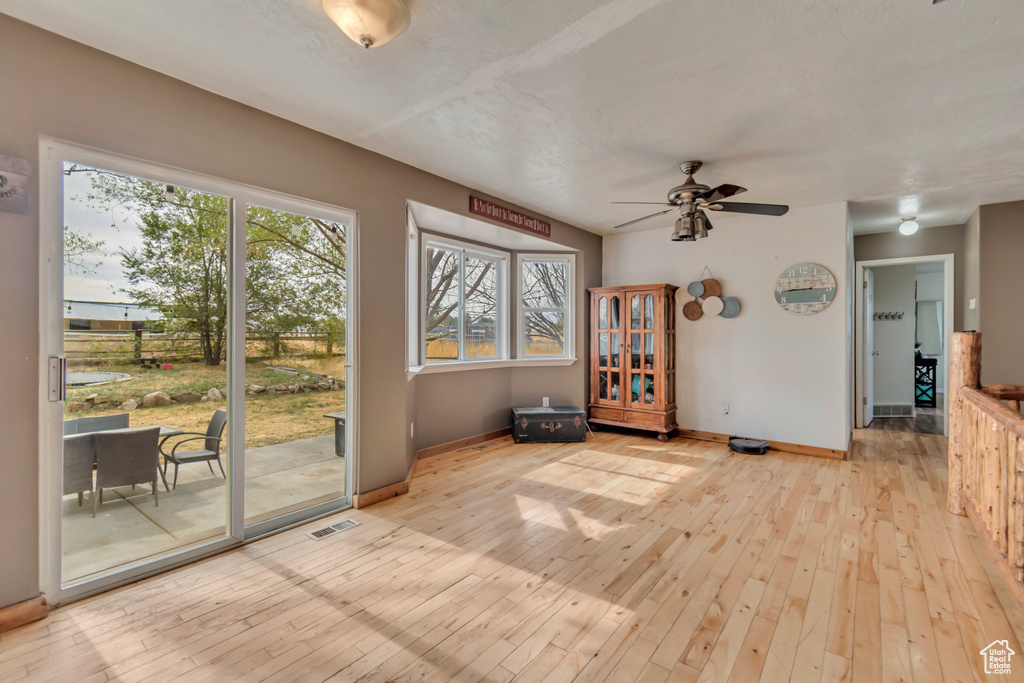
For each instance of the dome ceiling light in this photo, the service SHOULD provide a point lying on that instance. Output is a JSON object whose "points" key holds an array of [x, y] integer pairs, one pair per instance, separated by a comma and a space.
{"points": [[909, 226], [370, 23]]}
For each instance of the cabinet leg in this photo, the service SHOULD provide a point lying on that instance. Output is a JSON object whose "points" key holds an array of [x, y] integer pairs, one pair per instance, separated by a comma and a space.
{"points": [[662, 437]]}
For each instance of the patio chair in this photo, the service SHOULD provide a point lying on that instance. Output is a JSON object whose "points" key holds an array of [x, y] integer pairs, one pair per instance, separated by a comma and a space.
{"points": [[210, 451], [102, 423], [126, 456], [79, 456]]}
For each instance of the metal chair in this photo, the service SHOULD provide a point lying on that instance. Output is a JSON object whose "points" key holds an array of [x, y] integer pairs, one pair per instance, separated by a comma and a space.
{"points": [[79, 457], [126, 456], [210, 451]]}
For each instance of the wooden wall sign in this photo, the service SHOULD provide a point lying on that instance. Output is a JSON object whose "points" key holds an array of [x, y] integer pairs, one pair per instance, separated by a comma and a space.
{"points": [[482, 207], [14, 175]]}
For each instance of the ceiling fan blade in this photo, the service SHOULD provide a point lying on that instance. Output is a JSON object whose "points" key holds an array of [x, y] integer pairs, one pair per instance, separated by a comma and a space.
{"points": [[759, 209], [720, 192], [658, 203], [660, 213]]}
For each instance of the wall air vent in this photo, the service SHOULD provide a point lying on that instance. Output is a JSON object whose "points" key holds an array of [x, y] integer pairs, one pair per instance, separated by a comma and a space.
{"points": [[320, 534]]}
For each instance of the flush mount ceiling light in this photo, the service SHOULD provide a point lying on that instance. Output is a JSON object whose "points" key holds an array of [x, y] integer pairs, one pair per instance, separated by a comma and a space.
{"points": [[368, 22], [909, 226]]}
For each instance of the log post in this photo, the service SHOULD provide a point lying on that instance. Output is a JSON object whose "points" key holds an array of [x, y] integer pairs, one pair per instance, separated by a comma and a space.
{"points": [[964, 371]]}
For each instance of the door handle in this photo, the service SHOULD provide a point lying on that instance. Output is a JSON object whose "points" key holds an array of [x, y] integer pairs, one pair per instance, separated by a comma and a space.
{"points": [[57, 379]]}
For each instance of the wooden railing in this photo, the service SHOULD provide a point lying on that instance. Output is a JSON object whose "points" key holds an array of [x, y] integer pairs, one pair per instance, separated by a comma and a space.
{"points": [[986, 458]]}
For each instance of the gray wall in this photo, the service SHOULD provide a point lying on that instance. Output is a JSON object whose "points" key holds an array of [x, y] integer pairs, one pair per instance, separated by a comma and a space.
{"points": [[1001, 292], [68, 91], [948, 239], [972, 245], [894, 339]]}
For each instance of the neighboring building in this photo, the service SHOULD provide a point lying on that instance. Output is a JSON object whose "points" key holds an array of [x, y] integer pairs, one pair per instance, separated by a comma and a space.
{"points": [[107, 316]]}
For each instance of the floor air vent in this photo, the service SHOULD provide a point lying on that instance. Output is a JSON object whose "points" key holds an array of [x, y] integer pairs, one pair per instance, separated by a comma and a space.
{"points": [[333, 529]]}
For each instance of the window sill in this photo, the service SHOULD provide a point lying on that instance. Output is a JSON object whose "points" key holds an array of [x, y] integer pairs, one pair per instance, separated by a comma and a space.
{"points": [[433, 368]]}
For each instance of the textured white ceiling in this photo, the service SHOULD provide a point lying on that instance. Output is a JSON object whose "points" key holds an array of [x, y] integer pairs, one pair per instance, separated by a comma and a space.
{"points": [[566, 105]]}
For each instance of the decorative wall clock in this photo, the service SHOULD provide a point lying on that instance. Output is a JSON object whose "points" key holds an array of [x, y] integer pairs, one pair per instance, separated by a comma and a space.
{"points": [[805, 288]]}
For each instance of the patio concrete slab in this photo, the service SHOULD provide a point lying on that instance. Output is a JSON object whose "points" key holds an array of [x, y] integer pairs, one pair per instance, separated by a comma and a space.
{"points": [[129, 527]]}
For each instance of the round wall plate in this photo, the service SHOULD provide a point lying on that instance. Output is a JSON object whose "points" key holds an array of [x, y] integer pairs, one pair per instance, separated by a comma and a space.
{"points": [[713, 305], [805, 288], [732, 307], [692, 310], [712, 287], [695, 288]]}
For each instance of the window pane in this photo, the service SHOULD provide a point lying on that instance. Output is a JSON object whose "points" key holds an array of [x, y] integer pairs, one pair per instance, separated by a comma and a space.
{"points": [[603, 352], [295, 362], [615, 349], [649, 312], [615, 313], [441, 332], [544, 284], [145, 300], [545, 333], [481, 331], [603, 313], [635, 316]]}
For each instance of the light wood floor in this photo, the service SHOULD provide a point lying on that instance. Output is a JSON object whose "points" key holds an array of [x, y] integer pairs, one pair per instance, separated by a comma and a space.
{"points": [[622, 559]]}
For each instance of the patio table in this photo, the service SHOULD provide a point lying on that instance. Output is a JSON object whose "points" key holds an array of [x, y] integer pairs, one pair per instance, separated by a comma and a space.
{"points": [[339, 433]]}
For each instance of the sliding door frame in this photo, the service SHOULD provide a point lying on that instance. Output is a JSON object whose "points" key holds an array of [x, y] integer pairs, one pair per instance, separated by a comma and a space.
{"points": [[53, 153]]}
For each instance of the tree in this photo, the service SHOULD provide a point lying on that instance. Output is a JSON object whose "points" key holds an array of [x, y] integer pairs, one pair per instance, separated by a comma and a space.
{"points": [[77, 246], [544, 288], [443, 282], [295, 277]]}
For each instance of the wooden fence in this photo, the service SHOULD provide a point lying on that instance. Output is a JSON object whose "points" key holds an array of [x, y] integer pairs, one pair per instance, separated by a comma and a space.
{"points": [[986, 458], [104, 346]]}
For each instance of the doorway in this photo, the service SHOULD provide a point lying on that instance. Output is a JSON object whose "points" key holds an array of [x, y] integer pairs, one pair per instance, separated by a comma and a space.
{"points": [[904, 321], [198, 368]]}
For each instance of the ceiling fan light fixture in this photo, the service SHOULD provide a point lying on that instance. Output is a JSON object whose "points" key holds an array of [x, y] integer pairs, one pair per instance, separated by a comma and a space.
{"points": [[684, 229], [909, 226], [700, 225], [371, 23]]}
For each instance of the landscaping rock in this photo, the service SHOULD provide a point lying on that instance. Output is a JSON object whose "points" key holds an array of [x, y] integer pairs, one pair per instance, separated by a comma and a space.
{"points": [[156, 399], [91, 397], [214, 394], [130, 404], [323, 386], [281, 388], [187, 397], [292, 388], [75, 406], [271, 391], [256, 389], [99, 401], [203, 399]]}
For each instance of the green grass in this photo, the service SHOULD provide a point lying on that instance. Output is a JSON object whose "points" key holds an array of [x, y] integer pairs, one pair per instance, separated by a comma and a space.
{"points": [[269, 419]]}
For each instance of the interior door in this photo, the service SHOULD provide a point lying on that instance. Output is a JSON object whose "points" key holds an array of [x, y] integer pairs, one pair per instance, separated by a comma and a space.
{"points": [[869, 346]]}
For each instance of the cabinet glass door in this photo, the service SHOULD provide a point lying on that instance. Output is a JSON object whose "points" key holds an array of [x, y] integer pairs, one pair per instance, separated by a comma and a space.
{"points": [[641, 355], [609, 342]]}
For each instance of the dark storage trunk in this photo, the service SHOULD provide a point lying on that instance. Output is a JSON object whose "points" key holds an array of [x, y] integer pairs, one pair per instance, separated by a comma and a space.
{"points": [[560, 424]]}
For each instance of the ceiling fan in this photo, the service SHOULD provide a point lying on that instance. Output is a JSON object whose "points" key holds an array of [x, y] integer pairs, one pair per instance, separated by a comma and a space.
{"points": [[692, 198]]}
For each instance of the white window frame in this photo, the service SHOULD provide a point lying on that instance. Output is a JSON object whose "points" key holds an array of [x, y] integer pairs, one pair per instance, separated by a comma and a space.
{"points": [[569, 310], [501, 345]]}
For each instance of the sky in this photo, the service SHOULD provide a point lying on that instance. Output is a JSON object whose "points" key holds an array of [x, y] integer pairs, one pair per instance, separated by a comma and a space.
{"points": [[103, 276]]}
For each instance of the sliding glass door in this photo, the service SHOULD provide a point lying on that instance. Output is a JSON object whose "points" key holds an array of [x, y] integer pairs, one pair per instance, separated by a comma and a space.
{"points": [[198, 366]]}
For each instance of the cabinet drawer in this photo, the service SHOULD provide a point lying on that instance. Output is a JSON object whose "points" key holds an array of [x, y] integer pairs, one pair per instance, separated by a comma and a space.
{"points": [[606, 414], [649, 419]]}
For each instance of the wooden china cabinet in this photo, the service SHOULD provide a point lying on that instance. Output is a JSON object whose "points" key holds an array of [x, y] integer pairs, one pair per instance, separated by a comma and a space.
{"points": [[633, 357]]}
